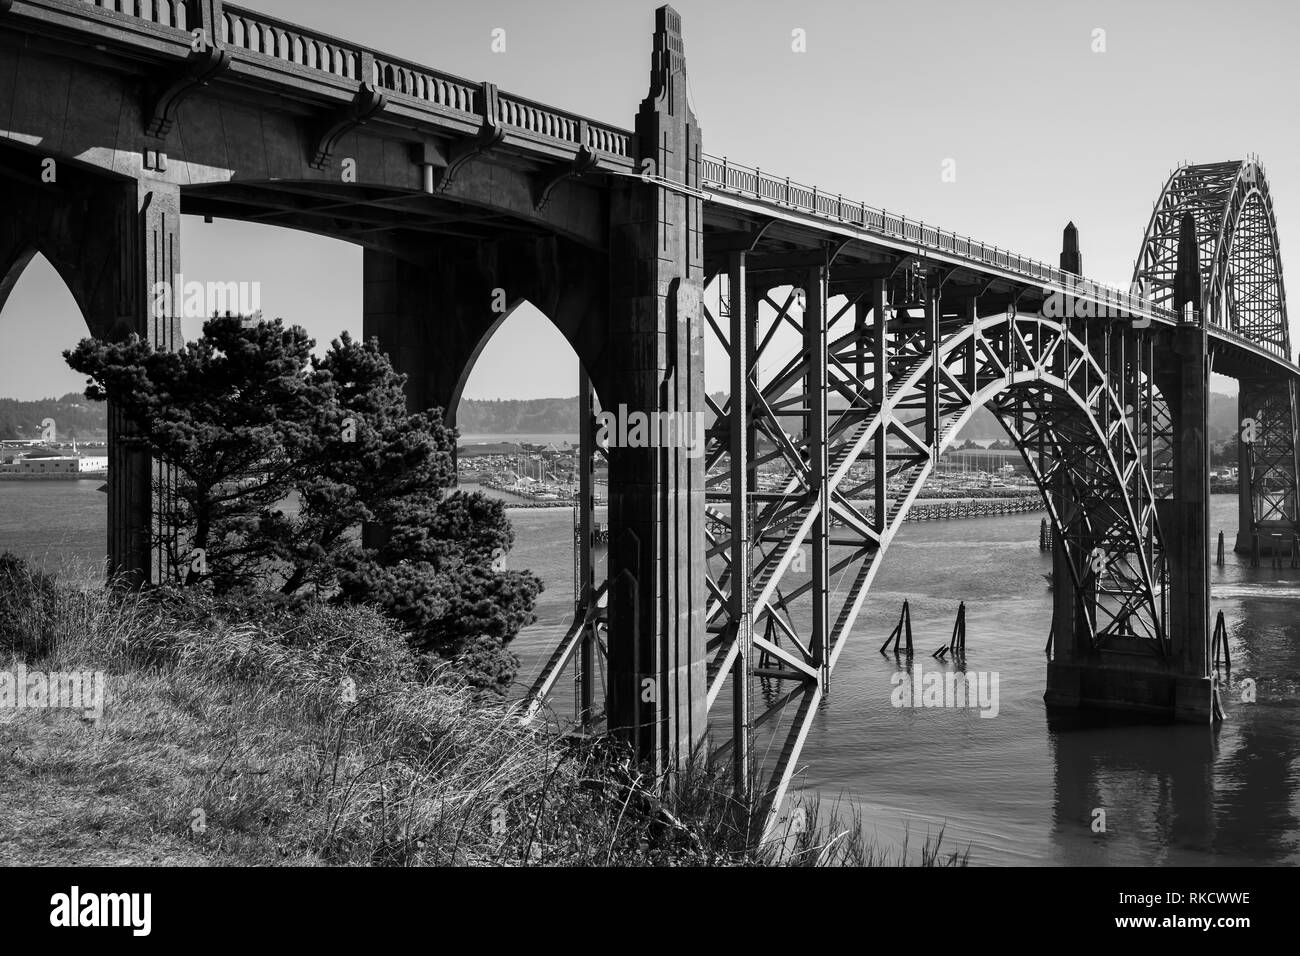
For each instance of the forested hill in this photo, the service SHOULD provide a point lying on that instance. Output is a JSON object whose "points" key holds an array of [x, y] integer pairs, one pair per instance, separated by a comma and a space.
{"points": [[74, 417], [540, 416]]}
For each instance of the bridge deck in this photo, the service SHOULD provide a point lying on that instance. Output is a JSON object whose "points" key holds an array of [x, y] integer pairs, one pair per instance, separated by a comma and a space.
{"points": [[306, 66]]}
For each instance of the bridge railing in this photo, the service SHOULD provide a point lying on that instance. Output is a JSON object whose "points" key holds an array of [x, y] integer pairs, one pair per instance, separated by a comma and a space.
{"points": [[440, 89], [546, 121], [257, 33], [243, 31], [724, 174], [167, 13]]}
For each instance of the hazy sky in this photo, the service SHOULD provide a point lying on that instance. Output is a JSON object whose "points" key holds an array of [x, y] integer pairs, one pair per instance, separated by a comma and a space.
{"points": [[1041, 128]]}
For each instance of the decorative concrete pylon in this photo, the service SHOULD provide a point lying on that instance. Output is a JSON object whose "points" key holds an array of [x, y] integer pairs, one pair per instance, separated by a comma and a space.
{"points": [[1185, 516], [1187, 278], [657, 638], [1070, 629], [1071, 258]]}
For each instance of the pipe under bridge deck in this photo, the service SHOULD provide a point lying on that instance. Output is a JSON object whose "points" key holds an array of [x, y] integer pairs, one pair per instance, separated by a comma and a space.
{"points": [[857, 343]]}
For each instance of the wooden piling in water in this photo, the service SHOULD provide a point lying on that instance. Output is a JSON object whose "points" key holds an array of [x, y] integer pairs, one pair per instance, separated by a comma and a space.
{"points": [[1219, 560], [1254, 551], [902, 629], [957, 644], [1219, 644]]}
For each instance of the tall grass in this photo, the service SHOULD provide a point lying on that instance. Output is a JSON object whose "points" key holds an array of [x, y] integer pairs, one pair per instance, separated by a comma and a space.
{"points": [[314, 736]]}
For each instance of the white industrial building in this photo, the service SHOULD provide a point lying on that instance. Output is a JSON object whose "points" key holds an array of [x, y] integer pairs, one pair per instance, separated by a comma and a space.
{"points": [[59, 465]]}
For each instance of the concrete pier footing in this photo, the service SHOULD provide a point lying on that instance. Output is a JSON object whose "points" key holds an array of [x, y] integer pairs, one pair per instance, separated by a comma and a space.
{"points": [[1112, 683]]}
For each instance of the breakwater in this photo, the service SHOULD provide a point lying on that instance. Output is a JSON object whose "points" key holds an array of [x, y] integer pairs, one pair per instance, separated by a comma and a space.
{"points": [[926, 510], [974, 508]]}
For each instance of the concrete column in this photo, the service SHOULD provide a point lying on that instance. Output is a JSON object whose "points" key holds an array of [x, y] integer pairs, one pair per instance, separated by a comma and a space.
{"points": [[1187, 529], [432, 318], [1071, 635], [1183, 372], [1185, 519], [113, 242], [657, 699], [403, 309], [144, 222]]}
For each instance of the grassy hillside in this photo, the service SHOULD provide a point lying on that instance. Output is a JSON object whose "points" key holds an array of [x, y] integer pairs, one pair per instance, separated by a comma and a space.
{"points": [[237, 737]]}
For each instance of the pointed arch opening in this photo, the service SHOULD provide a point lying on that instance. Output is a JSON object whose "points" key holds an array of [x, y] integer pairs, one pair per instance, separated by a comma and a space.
{"points": [[517, 407], [53, 440]]}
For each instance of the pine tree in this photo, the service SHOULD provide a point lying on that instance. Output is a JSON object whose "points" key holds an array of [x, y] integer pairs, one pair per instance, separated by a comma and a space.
{"points": [[282, 458]]}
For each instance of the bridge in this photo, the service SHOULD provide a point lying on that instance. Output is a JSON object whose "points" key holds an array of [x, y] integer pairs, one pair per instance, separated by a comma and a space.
{"points": [[639, 246]]}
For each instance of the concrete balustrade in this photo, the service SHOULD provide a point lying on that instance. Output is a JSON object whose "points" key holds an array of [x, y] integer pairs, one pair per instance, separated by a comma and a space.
{"points": [[255, 34], [168, 13]]}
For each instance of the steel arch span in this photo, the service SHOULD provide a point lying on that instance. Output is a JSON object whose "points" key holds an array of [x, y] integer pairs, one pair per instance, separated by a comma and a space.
{"points": [[1086, 426], [853, 423], [1241, 295], [1236, 234]]}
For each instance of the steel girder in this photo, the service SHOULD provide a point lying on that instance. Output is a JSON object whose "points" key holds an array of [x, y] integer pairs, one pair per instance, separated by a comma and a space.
{"points": [[842, 435]]}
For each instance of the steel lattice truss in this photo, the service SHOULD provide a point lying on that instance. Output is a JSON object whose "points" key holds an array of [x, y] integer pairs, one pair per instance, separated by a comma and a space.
{"points": [[897, 386], [1270, 458]]}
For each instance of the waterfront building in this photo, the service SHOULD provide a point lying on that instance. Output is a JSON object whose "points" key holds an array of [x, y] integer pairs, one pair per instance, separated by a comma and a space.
{"points": [[58, 465]]}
